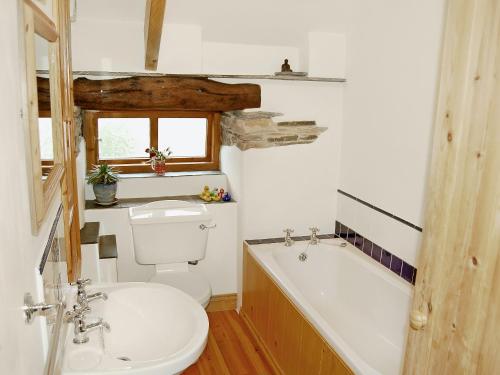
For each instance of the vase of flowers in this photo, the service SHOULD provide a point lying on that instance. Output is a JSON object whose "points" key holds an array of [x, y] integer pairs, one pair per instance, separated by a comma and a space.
{"points": [[158, 159]]}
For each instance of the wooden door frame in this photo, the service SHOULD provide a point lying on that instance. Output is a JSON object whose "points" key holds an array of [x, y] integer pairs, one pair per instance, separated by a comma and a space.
{"points": [[456, 308], [69, 184]]}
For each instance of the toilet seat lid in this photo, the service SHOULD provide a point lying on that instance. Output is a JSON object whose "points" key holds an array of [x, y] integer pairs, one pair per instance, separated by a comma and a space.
{"points": [[190, 283]]}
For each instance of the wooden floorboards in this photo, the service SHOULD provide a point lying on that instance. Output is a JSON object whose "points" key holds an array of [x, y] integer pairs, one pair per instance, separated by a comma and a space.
{"points": [[231, 349]]}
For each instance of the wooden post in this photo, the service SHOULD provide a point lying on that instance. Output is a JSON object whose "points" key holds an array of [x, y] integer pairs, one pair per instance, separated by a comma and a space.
{"points": [[153, 25], [456, 307]]}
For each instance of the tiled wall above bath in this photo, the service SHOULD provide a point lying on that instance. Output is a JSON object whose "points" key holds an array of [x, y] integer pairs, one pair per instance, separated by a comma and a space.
{"points": [[401, 237], [381, 255], [389, 239]]}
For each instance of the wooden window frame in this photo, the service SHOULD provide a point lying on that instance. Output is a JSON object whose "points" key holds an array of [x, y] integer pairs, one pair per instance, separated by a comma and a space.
{"points": [[137, 165]]}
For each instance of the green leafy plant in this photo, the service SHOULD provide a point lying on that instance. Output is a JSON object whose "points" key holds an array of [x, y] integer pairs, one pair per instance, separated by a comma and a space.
{"points": [[157, 155], [102, 174]]}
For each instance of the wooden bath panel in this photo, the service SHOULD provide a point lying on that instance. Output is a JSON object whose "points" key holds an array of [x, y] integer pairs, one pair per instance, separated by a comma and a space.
{"points": [[292, 343]]}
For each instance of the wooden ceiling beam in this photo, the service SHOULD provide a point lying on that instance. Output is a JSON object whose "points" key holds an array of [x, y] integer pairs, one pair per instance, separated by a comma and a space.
{"points": [[153, 25], [157, 93]]}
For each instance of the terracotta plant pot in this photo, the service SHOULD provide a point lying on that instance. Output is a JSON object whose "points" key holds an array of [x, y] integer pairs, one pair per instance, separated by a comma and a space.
{"points": [[160, 167]]}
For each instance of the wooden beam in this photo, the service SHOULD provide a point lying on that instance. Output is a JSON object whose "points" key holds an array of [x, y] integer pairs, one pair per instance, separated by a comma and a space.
{"points": [[153, 25], [44, 26], [158, 93]]}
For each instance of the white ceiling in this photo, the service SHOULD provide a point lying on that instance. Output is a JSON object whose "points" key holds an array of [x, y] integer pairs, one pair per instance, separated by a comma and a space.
{"points": [[273, 22]]}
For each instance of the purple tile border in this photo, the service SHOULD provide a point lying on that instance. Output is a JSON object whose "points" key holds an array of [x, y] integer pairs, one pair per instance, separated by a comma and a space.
{"points": [[381, 255]]}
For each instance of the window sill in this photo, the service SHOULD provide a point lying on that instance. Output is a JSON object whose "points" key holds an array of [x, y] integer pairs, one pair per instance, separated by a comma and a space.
{"points": [[146, 185], [134, 202], [126, 176]]}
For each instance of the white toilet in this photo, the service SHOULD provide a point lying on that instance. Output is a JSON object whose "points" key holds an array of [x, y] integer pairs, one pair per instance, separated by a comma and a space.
{"points": [[169, 234]]}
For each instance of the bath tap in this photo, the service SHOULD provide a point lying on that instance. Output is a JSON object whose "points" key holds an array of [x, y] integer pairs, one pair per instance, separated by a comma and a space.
{"points": [[77, 316], [98, 295], [82, 298], [288, 237], [314, 236]]}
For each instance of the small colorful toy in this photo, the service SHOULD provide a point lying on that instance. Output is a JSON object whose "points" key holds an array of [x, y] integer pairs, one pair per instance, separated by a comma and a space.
{"points": [[221, 194], [205, 195], [215, 195]]}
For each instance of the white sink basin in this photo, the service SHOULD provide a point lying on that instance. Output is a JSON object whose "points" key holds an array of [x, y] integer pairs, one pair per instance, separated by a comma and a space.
{"points": [[155, 330]]}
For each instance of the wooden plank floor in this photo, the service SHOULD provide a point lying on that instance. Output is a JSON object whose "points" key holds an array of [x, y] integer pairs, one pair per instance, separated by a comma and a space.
{"points": [[231, 349]]}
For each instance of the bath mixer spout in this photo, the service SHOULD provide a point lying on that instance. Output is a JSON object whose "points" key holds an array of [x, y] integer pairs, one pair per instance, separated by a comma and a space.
{"points": [[314, 236], [288, 237]]}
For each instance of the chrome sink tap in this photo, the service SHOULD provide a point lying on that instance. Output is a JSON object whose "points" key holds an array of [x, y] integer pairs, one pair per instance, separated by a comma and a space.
{"points": [[82, 298], [314, 236], [81, 330], [288, 237]]}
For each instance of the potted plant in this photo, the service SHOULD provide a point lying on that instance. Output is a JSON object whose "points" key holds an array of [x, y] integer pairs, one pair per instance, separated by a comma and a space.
{"points": [[104, 180], [158, 159]]}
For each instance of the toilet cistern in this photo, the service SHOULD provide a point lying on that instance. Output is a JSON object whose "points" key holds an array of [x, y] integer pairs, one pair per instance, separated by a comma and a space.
{"points": [[169, 234]]}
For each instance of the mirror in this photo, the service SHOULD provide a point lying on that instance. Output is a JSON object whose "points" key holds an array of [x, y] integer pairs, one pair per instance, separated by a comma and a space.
{"points": [[46, 139], [44, 125]]}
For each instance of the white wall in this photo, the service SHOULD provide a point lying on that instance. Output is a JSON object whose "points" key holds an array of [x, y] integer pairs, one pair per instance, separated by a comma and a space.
{"points": [[326, 54], [21, 345], [290, 186], [392, 68], [247, 58], [258, 22], [118, 45]]}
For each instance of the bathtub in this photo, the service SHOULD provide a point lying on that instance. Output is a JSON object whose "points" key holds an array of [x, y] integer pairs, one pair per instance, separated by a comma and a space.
{"points": [[359, 307]]}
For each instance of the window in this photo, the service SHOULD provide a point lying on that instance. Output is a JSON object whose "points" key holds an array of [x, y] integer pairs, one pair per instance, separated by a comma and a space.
{"points": [[46, 142], [45, 135], [120, 139]]}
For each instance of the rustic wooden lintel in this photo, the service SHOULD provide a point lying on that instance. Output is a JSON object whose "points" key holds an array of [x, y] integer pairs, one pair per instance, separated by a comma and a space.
{"points": [[157, 93]]}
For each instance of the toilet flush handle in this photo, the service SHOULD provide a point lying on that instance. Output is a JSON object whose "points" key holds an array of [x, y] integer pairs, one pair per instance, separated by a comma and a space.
{"points": [[203, 226]]}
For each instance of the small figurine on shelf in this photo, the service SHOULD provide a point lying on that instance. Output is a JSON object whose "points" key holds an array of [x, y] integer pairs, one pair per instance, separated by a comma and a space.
{"points": [[221, 194], [285, 67], [215, 195], [205, 195]]}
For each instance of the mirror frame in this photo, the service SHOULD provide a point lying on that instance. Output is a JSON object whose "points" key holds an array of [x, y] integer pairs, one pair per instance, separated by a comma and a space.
{"points": [[42, 192]]}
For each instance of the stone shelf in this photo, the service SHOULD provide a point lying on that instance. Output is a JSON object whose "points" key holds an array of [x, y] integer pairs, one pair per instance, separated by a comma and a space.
{"points": [[257, 129], [82, 73]]}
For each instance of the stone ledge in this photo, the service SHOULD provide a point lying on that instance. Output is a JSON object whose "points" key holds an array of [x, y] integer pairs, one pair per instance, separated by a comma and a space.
{"points": [[257, 129]]}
